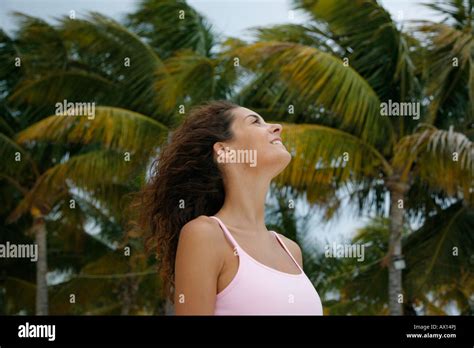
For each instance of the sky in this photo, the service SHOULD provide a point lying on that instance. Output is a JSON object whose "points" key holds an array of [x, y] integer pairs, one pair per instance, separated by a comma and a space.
{"points": [[230, 18]]}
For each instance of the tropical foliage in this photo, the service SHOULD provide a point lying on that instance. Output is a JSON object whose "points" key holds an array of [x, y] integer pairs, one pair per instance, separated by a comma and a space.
{"points": [[66, 181]]}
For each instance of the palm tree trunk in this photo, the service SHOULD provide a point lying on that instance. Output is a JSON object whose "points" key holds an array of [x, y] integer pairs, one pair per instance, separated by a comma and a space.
{"points": [[128, 294], [41, 267], [397, 211], [168, 308]]}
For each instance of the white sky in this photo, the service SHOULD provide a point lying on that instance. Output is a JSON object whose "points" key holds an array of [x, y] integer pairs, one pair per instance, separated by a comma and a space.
{"points": [[231, 17]]}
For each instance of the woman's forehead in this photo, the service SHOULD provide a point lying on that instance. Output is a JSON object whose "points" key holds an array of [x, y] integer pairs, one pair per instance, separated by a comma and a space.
{"points": [[242, 113]]}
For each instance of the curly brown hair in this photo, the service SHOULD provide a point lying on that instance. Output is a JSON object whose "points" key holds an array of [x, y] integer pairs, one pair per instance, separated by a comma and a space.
{"points": [[185, 184]]}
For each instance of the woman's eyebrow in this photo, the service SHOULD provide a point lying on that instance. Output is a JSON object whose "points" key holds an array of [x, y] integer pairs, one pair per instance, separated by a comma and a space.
{"points": [[253, 115]]}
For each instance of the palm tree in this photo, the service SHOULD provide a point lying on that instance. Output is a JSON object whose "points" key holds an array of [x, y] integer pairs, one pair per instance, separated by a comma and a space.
{"points": [[195, 69], [143, 80], [354, 286], [101, 173], [332, 76], [115, 147], [139, 94]]}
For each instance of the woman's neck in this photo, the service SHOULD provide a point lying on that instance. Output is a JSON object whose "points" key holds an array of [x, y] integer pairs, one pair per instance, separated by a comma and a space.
{"points": [[244, 204]]}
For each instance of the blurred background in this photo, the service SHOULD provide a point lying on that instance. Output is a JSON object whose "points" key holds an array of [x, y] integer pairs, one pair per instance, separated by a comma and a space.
{"points": [[323, 68]]}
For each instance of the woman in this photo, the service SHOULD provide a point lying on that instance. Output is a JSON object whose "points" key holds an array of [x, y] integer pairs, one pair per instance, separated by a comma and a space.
{"points": [[204, 208]]}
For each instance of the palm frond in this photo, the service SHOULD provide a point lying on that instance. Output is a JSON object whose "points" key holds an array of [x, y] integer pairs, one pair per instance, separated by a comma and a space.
{"points": [[15, 159], [457, 12], [119, 55], [443, 159], [315, 77], [170, 25], [173, 85], [325, 159], [10, 73], [90, 171], [308, 35], [378, 50], [40, 44], [449, 73], [441, 250], [57, 86], [20, 295], [114, 128]]}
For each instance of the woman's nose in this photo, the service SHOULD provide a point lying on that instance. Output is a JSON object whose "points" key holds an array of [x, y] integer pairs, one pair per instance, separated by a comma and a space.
{"points": [[277, 128]]}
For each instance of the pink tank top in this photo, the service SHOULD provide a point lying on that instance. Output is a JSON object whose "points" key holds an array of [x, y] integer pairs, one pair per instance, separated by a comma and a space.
{"points": [[257, 289]]}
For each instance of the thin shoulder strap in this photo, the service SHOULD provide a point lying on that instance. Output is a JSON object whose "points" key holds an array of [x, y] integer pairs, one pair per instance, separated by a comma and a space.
{"points": [[288, 251], [226, 232]]}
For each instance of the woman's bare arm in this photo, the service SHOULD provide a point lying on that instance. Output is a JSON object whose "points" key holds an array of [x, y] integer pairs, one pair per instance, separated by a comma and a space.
{"points": [[197, 268]]}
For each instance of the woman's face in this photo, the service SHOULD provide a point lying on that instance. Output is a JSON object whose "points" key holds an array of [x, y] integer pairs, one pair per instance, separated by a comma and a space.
{"points": [[255, 144]]}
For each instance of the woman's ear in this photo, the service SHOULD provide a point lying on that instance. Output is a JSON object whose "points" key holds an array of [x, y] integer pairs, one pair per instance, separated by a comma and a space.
{"points": [[219, 148], [220, 151]]}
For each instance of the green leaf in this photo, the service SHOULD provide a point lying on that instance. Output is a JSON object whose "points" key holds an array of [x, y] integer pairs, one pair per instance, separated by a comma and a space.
{"points": [[440, 251], [90, 171], [325, 159], [171, 25], [114, 128], [443, 159], [376, 48], [314, 77]]}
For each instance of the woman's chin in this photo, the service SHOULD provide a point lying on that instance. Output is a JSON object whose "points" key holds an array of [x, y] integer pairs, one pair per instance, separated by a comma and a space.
{"points": [[285, 156], [279, 162], [286, 159]]}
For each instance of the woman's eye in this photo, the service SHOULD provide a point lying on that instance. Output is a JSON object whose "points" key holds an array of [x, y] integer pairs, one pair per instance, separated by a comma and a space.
{"points": [[256, 121]]}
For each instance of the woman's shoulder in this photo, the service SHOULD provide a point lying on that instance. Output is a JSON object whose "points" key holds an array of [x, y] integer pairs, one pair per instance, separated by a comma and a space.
{"points": [[201, 229], [201, 222], [199, 241]]}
